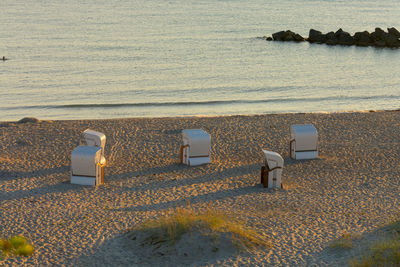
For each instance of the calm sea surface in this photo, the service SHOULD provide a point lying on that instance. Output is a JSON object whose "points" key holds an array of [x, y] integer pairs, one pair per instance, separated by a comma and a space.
{"points": [[125, 58]]}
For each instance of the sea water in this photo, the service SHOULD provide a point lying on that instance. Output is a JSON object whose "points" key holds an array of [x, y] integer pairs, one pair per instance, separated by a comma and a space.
{"points": [[71, 59]]}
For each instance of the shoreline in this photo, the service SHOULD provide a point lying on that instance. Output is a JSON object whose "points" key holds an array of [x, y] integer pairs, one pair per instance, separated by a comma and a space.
{"points": [[353, 187], [215, 116]]}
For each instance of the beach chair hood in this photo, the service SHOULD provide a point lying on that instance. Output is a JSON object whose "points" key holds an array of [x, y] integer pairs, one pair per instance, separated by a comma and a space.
{"points": [[305, 136], [199, 142]]}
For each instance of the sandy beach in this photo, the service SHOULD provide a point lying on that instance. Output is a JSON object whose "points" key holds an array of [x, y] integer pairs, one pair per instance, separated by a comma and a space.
{"points": [[353, 188]]}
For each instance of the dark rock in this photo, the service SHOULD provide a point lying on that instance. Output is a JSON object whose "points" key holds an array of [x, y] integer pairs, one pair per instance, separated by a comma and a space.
{"points": [[338, 33], [373, 37], [378, 34], [330, 38], [29, 119], [287, 36], [331, 42], [378, 38], [363, 44], [362, 38], [392, 41], [393, 31], [380, 43], [269, 39], [392, 38], [298, 38], [278, 36], [344, 38], [315, 36]]}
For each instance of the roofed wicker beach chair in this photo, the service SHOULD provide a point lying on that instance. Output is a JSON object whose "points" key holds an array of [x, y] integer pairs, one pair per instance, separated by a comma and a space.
{"points": [[303, 141], [271, 172], [88, 161], [196, 147]]}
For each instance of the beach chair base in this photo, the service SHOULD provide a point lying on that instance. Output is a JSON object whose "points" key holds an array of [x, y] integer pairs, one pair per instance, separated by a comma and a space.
{"points": [[306, 155], [198, 161], [265, 177], [192, 161], [83, 180], [90, 180]]}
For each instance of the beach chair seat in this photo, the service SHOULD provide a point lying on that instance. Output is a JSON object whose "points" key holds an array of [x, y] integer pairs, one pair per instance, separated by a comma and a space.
{"points": [[96, 139], [86, 167], [196, 147], [271, 172], [303, 141]]}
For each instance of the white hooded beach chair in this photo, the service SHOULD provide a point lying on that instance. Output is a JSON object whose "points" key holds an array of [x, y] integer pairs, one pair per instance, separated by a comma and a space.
{"points": [[271, 172], [303, 141], [196, 147], [87, 162]]}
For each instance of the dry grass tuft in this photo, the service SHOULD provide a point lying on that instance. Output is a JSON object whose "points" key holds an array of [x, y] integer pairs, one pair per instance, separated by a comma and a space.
{"points": [[345, 242], [382, 253], [170, 228]]}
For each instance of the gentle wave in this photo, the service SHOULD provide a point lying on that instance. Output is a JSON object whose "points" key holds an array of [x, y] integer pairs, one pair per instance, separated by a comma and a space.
{"points": [[214, 102]]}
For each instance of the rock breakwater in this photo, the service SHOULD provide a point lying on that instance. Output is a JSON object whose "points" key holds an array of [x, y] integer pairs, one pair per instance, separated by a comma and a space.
{"points": [[377, 38]]}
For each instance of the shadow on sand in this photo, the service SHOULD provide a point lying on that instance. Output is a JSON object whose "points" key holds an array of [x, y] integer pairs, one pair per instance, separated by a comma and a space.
{"points": [[61, 185]]}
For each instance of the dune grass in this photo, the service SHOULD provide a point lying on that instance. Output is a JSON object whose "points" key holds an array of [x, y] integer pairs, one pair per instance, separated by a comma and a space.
{"points": [[345, 242], [382, 253], [15, 246], [170, 228]]}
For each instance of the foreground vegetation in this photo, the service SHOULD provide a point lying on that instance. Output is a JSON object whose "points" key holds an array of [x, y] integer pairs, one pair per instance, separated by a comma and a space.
{"points": [[345, 242], [384, 252], [170, 228], [15, 246]]}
